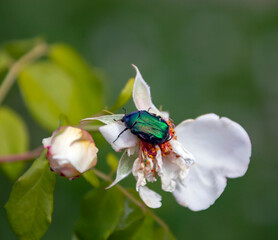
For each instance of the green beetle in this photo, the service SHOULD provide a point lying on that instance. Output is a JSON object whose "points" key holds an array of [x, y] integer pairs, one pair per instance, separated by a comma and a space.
{"points": [[146, 126]]}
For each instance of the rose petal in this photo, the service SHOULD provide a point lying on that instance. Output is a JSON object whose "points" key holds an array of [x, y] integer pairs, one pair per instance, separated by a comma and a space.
{"points": [[179, 149], [46, 142], [106, 119], [169, 175], [138, 173], [142, 95], [221, 149], [83, 155], [150, 198], [164, 115], [202, 188], [111, 133], [173, 169], [124, 167], [71, 151]]}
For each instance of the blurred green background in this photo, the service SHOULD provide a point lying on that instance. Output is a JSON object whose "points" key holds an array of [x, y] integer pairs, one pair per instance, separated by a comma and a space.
{"points": [[198, 57]]}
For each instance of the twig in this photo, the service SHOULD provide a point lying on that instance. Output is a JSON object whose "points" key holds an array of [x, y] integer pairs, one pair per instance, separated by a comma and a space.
{"points": [[133, 199], [35, 53], [22, 156]]}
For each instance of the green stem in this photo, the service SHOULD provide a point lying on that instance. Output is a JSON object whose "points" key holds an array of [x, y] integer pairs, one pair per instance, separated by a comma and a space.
{"points": [[133, 199], [35, 53]]}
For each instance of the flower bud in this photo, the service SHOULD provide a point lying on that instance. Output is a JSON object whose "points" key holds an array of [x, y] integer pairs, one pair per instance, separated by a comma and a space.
{"points": [[70, 151]]}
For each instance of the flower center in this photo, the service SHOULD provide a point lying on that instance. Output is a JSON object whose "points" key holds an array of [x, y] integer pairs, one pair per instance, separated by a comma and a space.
{"points": [[148, 149]]}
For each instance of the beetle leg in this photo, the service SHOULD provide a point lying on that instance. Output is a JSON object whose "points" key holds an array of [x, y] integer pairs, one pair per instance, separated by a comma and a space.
{"points": [[120, 134], [116, 120]]}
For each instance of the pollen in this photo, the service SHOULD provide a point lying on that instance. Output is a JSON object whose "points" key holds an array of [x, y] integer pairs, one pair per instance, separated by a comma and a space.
{"points": [[171, 129], [148, 149], [165, 148]]}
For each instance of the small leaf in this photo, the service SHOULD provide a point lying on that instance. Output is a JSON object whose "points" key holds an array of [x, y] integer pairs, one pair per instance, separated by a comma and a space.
{"points": [[124, 96], [99, 214], [14, 139], [87, 80], [5, 61], [49, 91], [163, 234], [30, 205], [142, 229], [132, 212], [146, 229], [62, 85], [124, 167], [112, 161], [91, 178]]}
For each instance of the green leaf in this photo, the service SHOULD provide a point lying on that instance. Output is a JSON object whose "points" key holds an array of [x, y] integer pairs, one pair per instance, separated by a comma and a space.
{"points": [[14, 139], [132, 213], [5, 61], [88, 80], [124, 96], [30, 205], [100, 213], [112, 161], [142, 229], [50, 92], [163, 234], [63, 85], [91, 178]]}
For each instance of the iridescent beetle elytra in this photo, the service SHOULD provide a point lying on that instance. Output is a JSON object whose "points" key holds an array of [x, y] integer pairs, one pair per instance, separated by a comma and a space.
{"points": [[147, 126]]}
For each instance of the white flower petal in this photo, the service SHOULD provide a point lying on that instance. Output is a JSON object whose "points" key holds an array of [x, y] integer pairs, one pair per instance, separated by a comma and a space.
{"points": [[106, 119], [164, 115], [111, 133], [150, 198], [159, 163], [131, 151], [169, 175], [173, 169], [46, 142], [82, 153], [124, 167], [142, 95], [71, 151], [179, 149], [138, 173], [202, 188], [221, 149]]}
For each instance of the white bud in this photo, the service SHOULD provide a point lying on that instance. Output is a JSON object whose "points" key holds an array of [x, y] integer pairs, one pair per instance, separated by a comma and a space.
{"points": [[70, 151]]}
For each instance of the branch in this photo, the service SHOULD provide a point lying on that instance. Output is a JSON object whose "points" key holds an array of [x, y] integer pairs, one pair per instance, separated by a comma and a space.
{"points": [[22, 156], [35, 53]]}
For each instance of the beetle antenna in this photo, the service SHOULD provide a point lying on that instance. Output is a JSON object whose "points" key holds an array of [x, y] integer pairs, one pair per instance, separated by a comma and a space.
{"points": [[120, 134], [149, 109], [124, 110]]}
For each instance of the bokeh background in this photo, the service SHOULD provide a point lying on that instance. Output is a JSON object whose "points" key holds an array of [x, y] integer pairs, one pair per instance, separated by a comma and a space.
{"points": [[198, 57]]}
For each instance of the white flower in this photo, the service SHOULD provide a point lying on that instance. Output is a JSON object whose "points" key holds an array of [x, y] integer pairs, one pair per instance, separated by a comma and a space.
{"points": [[70, 151], [193, 165]]}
